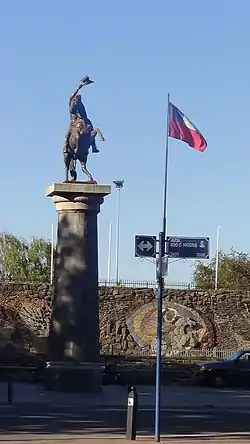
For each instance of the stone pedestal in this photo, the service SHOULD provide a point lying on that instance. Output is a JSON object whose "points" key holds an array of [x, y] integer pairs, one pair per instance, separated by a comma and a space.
{"points": [[74, 333]]}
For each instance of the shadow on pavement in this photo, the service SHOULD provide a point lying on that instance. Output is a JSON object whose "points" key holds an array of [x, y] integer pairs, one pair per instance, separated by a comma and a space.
{"points": [[185, 411], [47, 419]]}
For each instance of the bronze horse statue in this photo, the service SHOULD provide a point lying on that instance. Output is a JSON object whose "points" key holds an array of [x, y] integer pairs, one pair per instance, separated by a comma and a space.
{"points": [[80, 137]]}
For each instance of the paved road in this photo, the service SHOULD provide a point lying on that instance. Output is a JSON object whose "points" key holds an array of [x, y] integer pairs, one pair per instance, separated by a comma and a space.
{"points": [[185, 411], [42, 419], [115, 395]]}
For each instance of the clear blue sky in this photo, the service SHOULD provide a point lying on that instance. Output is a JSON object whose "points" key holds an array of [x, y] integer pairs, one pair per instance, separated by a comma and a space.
{"points": [[137, 52]]}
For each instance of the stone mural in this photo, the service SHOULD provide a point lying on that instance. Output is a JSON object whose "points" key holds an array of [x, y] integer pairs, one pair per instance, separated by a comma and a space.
{"points": [[183, 327], [191, 319]]}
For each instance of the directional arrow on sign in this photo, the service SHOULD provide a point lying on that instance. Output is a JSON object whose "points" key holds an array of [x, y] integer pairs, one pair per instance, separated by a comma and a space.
{"points": [[145, 246]]}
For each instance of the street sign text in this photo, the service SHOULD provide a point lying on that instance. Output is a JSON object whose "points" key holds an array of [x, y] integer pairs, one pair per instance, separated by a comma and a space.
{"points": [[187, 247]]}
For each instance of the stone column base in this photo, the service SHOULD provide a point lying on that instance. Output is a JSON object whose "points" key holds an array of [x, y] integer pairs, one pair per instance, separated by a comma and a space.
{"points": [[72, 377], [74, 330]]}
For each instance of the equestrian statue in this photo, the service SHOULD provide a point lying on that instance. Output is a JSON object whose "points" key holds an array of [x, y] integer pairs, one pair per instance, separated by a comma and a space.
{"points": [[80, 136]]}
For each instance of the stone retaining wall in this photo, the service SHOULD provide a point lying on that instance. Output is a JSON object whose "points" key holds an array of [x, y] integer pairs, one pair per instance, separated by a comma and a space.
{"points": [[191, 319]]}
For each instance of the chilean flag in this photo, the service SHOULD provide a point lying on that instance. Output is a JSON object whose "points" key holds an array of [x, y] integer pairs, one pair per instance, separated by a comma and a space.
{"points": [[181, 128]]}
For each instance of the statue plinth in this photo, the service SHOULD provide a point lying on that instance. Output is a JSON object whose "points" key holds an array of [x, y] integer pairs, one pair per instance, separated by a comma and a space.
{"points": [[74, 332]]}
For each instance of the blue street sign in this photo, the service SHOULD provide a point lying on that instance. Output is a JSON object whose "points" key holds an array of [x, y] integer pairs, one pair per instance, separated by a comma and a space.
{"points": [[187, 247], [145, 246]]}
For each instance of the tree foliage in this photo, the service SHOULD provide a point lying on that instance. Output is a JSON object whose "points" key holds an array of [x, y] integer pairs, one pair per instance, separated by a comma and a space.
{"points": [[24, 261], [233, 271]]}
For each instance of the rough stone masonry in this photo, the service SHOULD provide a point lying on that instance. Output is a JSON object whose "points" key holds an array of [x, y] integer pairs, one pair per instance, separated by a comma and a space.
{"points": [[191, 319]]}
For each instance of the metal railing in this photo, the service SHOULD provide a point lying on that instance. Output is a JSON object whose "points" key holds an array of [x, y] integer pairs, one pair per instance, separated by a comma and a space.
{"points": [[141, 284], [214, 353], [145, 284], [121, 283]]}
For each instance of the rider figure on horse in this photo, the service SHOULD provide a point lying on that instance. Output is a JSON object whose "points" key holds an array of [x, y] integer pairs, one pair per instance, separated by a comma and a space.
{"points": [[77, 111], [80, 135]]}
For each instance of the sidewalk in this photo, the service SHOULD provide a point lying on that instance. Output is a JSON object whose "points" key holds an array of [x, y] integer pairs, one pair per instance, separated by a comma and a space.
{"points": [[166, 440]]}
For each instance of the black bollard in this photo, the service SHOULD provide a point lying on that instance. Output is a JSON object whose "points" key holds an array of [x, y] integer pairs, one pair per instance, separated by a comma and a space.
{"points": [[10, 390], [132, 414]]}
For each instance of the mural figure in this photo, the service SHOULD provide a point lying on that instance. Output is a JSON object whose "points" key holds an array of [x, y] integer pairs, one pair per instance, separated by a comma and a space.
{"points": [[183, 328]]}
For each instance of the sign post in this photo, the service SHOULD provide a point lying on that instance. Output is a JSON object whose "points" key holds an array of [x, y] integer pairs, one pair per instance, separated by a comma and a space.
{"points": [[169, 247], [160, 279]]}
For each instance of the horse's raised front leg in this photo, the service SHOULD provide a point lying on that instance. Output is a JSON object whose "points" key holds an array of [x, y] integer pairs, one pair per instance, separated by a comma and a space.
{"points": [[97, 131], [85, 171]]}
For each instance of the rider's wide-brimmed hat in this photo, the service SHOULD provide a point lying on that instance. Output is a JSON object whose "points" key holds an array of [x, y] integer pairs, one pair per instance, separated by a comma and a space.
{"points": [[86, 80]]}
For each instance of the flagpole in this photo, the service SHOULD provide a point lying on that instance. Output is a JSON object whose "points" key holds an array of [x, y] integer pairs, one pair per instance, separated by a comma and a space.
{"points": [[217, 258], [160, 278], [164, 222]]}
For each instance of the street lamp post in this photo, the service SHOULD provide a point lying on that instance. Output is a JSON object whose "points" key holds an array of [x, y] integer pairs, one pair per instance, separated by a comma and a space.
{"points": [[119, 185]]}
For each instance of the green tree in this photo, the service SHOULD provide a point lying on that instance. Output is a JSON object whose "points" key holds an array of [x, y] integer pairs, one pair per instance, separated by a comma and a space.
{"points": [[24, 261], [233, 271]]}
